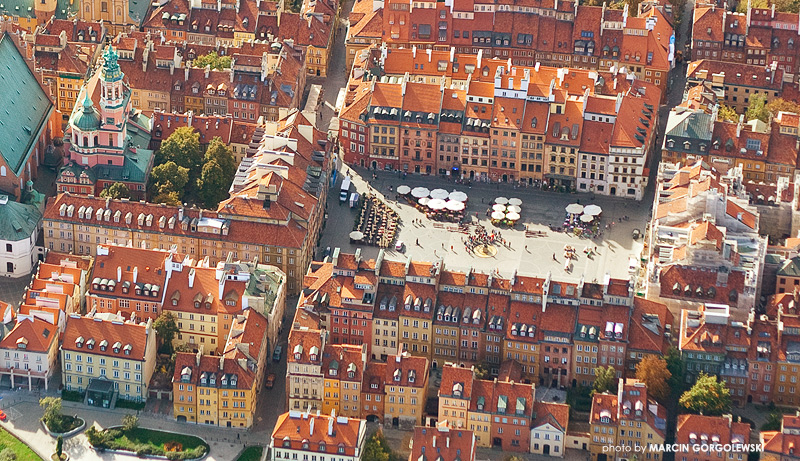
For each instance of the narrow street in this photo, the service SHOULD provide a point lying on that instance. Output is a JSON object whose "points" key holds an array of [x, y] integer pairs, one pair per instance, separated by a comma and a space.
{"points": [[337, 73]]}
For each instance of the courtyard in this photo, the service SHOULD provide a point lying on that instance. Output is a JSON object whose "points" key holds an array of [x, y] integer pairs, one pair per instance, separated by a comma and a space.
{"points": [[425, 239]]}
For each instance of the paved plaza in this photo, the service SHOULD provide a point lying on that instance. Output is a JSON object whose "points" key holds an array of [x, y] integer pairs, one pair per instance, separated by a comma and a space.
{"points": [[540, 210]]}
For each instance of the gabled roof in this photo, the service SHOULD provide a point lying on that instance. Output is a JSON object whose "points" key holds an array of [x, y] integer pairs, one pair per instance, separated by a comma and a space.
{"points": [[21, 127]]}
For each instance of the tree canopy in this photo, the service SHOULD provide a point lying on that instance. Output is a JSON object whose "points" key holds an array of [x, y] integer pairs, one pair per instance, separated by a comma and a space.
{"points": [[376, 448], [757, 109], [116, 190], [168, 182], [214, 60], [782, 105], [675, 367], [708, 396], [727, 114], [605, 379], [217, 173], [653, 372], [166, 329]]}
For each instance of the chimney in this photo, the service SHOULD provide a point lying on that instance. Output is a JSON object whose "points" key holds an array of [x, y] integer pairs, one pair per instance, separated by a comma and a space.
{"points": [[330, 424], [434, 441], [135, 273], [221, 363], [311, 427], [447, 442], [180, 211], [414, 51], [191, 277], [197, 357], [430, 54], [119, 274], [186, 74], [207, 70]]}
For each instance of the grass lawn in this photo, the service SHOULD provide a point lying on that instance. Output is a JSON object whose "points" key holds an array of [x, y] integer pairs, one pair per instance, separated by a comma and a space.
{"points": [[157, 439], [251, 454], [24, 453]]}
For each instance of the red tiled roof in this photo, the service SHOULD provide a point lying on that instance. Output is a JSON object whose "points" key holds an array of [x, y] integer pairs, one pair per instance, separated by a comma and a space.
{"points": [[114, 332], [296, 428], [30, 335]]}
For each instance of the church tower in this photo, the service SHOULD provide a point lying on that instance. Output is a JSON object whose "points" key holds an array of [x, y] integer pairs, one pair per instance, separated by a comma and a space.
{"points": [[112, 95]]}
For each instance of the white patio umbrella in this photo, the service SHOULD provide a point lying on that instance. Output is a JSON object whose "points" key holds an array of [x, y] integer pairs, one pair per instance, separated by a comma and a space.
{"points": [[512, 216], [455, 205], [501, 200], [515, 201], [592, 210], [403, 190], [437, 204], [356, 235], [424, 201], [498, 215], [574, 208], [458, 196], [587, 218], [498, 207], [420, 192], [440, 194], [513, 209]]}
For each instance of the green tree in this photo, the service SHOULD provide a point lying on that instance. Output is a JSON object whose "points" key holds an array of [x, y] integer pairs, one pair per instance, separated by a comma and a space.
{"points": [[708, 396], [130, 422], [95, 437], [166, 178], [116, 190], [787, 6], [742, 6], [727, 114], [59, 446], [166, 329], [605, 379], [170, 198], [212, 187], [7, 454], [183, 148], [216, 177], [482, 370], [782, 105], [653, 372], [377, 449], [774, 421], [214, 60], [757, 109], [52, 409], [675, 366]]}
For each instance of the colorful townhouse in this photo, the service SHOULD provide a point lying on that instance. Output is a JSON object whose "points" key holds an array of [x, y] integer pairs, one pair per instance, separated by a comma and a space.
{"points": [[105, 358]]}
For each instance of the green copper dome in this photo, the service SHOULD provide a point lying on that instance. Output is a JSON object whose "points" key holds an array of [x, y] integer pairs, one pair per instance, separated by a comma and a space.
{"points": [[85, 117]]}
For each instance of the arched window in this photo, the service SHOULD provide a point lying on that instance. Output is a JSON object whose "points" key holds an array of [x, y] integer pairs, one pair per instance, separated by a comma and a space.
{"points": [[85, 141], [96, 140], [2, 170]]}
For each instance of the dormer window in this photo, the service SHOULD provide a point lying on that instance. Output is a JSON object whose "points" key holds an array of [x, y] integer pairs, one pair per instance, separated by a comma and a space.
{"points": [[90, 344], [128, 348], [213, 380], [287, 442], [313, 357], [103, 345], [332, 372], [305, 445], [322, 446], [79, 341], [117, 347], [341, 449]]}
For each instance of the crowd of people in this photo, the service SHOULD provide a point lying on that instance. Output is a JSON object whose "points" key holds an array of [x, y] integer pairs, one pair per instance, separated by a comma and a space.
{"points": [[483, 237], [377, 222]]}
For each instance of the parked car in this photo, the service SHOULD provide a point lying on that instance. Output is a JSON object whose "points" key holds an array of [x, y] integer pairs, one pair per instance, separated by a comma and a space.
{"points": [[399, 246], [270, 380], [276, 356], [3, 415]]}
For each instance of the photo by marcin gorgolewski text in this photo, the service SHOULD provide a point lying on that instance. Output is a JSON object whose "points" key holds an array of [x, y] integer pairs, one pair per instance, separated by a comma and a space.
{"points": [[743, 448]]}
